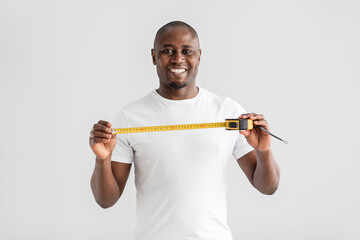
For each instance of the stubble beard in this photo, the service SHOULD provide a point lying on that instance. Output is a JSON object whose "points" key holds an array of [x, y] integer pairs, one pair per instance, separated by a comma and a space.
{"points": [[182, 84], [177, 85]]}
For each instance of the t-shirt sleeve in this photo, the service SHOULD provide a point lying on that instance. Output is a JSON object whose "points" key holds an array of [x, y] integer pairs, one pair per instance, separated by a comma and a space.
{"points": [[122, 152], [241, 146]]}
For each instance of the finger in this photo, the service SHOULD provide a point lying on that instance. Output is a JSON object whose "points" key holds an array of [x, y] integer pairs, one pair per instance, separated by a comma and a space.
{"points": [[243, 116], [257, 117], [262, 123], [102, 128], [105, 123], [98, 140], [100, 134], [247, 115]]}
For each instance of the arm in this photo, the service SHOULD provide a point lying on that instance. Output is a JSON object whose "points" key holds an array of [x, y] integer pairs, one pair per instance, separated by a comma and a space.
{"points": [[108, 181], [262, 171], [259, 165], [109, 178]]}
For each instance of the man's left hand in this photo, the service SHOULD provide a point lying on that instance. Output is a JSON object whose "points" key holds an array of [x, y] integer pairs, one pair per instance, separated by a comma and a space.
{"points": [[256, 137]]}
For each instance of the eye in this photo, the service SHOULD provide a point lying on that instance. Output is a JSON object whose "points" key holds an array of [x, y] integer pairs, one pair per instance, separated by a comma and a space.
{"points": [[167, 51], [187, 51]]}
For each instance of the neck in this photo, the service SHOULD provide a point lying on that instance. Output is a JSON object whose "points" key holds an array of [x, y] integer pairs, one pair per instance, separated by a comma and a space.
{"points": [[178, 94]]}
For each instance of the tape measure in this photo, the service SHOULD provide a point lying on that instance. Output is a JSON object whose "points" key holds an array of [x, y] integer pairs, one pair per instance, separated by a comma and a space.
{"points": [[229, 124]]}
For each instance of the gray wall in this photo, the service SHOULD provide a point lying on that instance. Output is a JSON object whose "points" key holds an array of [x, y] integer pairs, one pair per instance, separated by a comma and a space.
{"points": [[66, 64]]}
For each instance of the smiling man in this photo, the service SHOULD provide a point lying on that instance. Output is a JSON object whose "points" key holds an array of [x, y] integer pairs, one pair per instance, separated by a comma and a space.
{"points": [[176, 54], [180, 176]]}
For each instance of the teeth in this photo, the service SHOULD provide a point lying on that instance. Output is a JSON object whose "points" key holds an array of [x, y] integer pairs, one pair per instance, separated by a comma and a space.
{"points": [[177, 70]]}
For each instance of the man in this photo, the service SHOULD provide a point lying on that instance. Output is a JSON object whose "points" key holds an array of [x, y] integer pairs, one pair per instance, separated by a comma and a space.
{"points": [[180, 176]]}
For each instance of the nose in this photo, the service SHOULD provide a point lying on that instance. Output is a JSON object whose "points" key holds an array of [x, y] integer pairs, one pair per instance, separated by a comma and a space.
{"points": [[177, 57]]}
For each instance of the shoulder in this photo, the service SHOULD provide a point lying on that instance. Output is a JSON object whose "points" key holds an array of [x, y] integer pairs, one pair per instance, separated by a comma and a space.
{"points": [[138, 104], [220, 100], [133, 108], [141, 102]]}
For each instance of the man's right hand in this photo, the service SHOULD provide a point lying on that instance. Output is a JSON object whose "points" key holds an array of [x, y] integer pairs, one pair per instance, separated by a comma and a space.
{"points": [[102, 141]]}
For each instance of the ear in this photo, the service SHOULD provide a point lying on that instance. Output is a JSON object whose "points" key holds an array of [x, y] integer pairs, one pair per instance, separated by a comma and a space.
{"points": [[153, 56], [199, 55]]}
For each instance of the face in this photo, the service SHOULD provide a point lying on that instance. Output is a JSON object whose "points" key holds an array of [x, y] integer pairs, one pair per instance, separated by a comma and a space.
{"points": [[176, 55]]}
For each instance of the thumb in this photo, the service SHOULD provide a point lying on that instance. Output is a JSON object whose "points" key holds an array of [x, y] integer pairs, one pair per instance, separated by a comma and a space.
{"points": [[112, 142], [246, 133], [113, 136]]}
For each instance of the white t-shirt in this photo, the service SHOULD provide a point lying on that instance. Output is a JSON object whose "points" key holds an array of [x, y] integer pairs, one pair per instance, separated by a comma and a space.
{"points": [[180, 176]]}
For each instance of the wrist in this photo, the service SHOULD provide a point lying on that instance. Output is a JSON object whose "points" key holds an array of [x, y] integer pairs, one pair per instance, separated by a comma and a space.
{"points": [[262, 152], [103, 162], [262, 148]]}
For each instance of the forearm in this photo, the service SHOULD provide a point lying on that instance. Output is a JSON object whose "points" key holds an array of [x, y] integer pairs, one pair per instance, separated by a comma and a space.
{"points": [[103, 184], [267, 173]]}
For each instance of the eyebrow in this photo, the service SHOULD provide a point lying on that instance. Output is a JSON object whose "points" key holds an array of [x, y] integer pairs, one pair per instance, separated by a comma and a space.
{"points": [[170, 45]]}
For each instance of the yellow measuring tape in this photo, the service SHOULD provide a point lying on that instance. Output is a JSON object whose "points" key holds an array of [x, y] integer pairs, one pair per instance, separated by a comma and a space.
{"points": [[229, 124]]}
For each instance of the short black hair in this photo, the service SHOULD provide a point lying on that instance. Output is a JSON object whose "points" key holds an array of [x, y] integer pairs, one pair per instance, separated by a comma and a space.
{"points": [[176, 24]]}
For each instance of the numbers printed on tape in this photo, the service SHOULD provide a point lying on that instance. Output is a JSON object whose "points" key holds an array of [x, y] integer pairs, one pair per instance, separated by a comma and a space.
{"points": [[168, 128], [229, 124]]}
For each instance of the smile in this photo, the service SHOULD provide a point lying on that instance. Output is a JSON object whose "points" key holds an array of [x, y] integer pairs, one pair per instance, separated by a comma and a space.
{"points": [[177, 70]]}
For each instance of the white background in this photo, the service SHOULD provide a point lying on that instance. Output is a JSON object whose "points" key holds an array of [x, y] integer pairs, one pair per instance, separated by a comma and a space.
{"points": [[66, 64]]}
